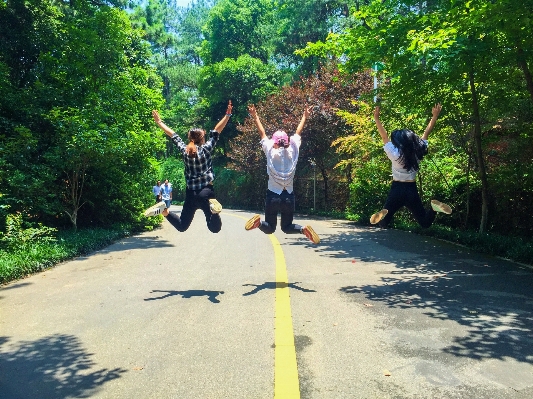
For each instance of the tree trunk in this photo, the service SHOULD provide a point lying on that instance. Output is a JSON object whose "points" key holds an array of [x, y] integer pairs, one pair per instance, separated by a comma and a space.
{"points": [[479, 155], [75, 184], [326, 187], [469, 167], [527, 73]]}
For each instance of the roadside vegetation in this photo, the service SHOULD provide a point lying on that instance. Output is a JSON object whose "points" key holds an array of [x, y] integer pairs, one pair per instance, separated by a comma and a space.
{"points": [[25, 250], [79, 152]]}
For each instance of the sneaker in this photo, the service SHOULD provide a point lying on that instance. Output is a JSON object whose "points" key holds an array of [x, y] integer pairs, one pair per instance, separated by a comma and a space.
{"points": [[441, 207], [376, 217], [310, 233], [155, 210], [253, 223], [215, 206]]}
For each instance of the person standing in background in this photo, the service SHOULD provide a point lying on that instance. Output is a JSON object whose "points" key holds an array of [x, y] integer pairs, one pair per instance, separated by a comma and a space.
{"points": [[157, 191], [166, 193]]}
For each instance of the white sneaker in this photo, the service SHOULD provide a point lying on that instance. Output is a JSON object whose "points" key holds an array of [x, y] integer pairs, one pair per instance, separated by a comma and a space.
{"points": [[155, 210], [441, 207], [215, 206]]}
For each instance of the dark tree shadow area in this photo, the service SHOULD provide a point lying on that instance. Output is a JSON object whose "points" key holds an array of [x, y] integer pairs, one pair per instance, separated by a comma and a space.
{"points": [[131, 243], [14, 286], [212, 296], [51, 367], [491, 298]]}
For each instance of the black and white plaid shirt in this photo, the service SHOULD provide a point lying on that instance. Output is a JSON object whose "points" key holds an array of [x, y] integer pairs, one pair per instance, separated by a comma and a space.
{"points": [[198, 170]]}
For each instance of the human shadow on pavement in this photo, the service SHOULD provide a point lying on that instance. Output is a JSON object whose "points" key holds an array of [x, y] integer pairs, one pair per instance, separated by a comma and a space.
{"points": [[211, 295], [52, 367], [489, 297], [272, 285]]}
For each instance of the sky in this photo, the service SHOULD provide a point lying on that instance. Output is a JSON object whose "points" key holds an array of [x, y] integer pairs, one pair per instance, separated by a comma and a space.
{"points": [[182, 3]]}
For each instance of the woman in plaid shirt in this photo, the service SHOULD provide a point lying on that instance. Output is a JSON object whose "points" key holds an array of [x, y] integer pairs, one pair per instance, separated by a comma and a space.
{"points": [[199, 176]]}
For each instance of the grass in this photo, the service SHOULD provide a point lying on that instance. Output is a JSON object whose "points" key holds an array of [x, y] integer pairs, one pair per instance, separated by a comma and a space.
{"points": [[518, 249], [38, 255]]}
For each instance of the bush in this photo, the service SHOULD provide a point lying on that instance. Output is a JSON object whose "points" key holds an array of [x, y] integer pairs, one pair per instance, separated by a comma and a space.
{"points": [[17, 236], [368, 190], [20, 261], [518, 249]]}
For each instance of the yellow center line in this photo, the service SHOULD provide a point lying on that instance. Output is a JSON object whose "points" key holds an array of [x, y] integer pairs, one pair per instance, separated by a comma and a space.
{"points": [[286, 383]]}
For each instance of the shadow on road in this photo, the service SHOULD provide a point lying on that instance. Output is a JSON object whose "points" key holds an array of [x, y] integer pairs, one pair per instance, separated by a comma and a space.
{"points": [[272, 285], [16, 285], [51, 367], [132, 243], [490, 297], [211, 295]]}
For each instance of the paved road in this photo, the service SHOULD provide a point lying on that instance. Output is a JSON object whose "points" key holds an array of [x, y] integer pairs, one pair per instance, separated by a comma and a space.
{"points": [[367, 313]]}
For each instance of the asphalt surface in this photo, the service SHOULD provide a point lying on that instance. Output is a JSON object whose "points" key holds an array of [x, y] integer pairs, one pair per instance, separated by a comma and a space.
{"points": [[375, 313]]}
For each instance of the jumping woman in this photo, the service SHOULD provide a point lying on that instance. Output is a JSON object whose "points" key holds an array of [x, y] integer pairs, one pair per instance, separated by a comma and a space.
{"points": [[199, 176], [281, 156], [405, 150]]}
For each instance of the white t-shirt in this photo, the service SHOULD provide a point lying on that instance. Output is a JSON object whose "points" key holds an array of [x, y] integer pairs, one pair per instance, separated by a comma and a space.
{"points": [[165, 191], [398, 171], [281, 163]]}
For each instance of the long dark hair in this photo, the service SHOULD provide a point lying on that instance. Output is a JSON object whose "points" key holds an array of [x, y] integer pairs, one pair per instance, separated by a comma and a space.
{"points": [[412, 148]]}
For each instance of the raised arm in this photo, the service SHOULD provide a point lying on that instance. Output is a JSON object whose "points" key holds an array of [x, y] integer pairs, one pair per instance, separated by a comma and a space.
{"points": [[435, 114], [253, 114], [169, 132], [222, 123], [381, 129], [306, 114]]}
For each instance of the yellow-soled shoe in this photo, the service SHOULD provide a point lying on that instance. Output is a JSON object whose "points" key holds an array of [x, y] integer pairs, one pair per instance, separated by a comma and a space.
{"points": [[441, 207], [253, 222], [311, 235], [376, 217], [215, 206]]}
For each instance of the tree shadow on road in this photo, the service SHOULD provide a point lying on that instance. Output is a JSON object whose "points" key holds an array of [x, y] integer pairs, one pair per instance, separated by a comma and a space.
{"points": [[428, 278], [14, 285], [131, 243], [212, 296], [51, 367]]}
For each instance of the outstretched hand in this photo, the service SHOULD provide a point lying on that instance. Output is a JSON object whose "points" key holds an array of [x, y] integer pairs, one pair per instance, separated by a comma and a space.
{"points": [[307, 111], [229, 109], [252, 111], [156, 116], [436, 110], [376, 112]]}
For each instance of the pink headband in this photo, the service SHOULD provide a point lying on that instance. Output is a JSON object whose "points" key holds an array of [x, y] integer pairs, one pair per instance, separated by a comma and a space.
{"points": [[281, 136]]}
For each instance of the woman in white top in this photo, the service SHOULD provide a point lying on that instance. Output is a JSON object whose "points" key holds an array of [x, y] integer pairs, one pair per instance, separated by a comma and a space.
{"points": [[282, 157], [405, 150]]}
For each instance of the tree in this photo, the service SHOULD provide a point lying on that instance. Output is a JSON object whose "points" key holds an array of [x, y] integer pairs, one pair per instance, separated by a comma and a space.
{"points": [[297, 23], [447, 52], [327, 91], [235, 28], [79, 141]]}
